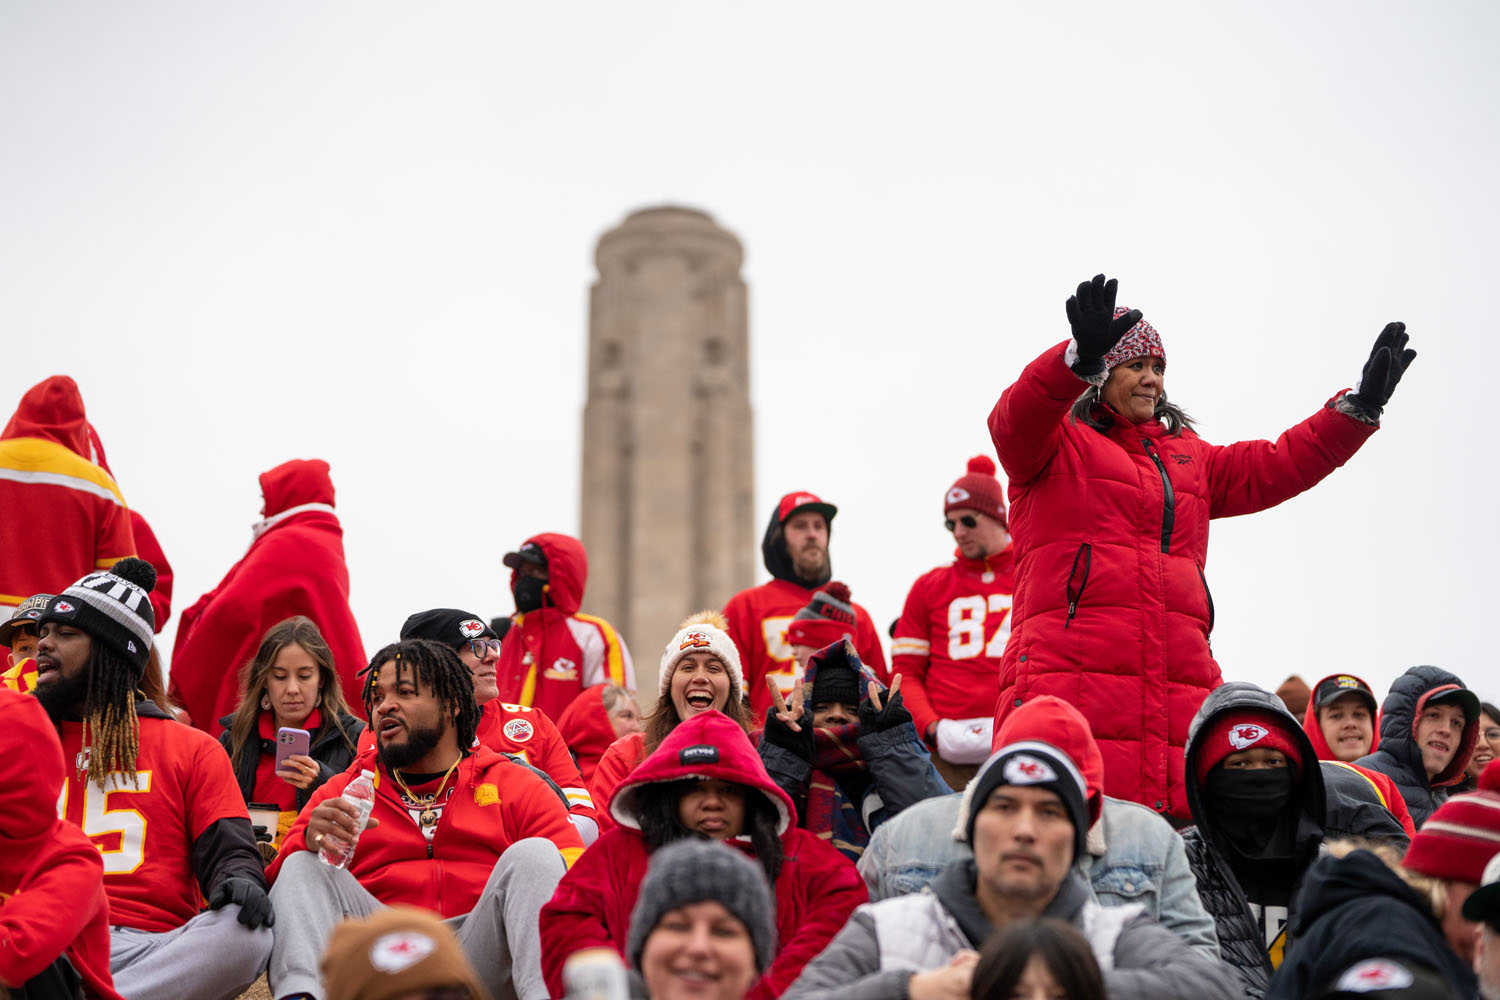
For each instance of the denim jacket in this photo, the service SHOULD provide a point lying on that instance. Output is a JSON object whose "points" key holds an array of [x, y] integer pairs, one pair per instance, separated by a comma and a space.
{"points": [[1134, 856]]}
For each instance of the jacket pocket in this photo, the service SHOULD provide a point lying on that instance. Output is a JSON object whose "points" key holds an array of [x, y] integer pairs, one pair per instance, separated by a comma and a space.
{"points": [[1078, 578], [1120, 884], [1208, 594]]}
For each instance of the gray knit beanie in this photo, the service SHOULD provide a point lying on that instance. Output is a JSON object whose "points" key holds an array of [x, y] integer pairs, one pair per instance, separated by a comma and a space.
{"points": [[698, 871]]}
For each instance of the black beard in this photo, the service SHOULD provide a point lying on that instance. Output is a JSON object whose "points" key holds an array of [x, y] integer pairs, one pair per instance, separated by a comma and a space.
{"points": [[419, 743], [61, 698]]}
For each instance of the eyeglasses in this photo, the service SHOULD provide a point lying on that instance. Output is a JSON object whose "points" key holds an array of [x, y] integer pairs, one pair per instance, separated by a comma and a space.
{"points": [[1491, 735], [968, 521], [479, 647]]}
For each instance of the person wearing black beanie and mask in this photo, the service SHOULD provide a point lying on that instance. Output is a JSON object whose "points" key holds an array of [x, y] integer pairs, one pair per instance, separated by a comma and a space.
{"points": [[1263, 804]]}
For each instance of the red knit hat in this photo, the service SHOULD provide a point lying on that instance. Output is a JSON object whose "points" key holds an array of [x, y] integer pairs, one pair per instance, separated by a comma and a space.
{"points": [[979, 490], [828, 617], [1251, 728], [1459, 839], [1140, 341]]}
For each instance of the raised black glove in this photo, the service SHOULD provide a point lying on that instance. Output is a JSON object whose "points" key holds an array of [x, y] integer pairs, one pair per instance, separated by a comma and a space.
{"points": [[1389, 359], [1096, 329], [878, 718], [255, 905], [780, 734]]}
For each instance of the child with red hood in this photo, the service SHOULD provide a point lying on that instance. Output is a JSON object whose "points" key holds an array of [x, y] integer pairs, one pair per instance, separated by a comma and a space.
{"points": [[51, 875], [295, 566], [704, 780], [1342, 721], [61, 515]]}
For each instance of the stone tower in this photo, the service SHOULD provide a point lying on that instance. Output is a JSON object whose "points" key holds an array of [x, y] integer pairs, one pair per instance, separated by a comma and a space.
{"points": [[668, 444]]}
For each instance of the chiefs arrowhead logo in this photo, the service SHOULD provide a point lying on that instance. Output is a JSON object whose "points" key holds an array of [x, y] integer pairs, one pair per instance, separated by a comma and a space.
{"points": [[695, 639], [957, 495], [1247, 735], [64, 608], [391, 953], [471, 628], [519, 730], [1024, 769], [1375, 974]]}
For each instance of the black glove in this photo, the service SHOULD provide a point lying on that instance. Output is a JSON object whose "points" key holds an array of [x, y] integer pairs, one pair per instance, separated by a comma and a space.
{"points": [[255, 905], [779, 734], [1389, 359], [877, 720], [1096, 330]]}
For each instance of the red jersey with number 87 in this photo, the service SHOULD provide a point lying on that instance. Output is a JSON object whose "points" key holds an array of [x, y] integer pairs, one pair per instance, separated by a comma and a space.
{"points": [[145, 829]]}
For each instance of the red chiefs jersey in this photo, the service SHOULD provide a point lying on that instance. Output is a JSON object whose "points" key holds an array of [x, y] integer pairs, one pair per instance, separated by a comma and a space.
{"points": [[758, 618], [145, 828], [951, 636]]}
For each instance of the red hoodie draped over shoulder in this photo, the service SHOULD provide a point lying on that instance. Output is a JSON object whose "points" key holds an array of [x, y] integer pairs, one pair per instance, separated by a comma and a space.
{"points": [[816, 891], [1112, 610], [61, 515], [295, 566], [51, 877], [585, 727]]}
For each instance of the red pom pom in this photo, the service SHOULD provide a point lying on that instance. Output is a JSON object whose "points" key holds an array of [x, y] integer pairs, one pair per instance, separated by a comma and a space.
{"points": [[836, 590], [982, 464]]}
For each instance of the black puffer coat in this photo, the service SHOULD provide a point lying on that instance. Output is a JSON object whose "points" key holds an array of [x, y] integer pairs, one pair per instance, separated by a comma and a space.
{"points": [[1401, 758], [1354, 908], [1327, 805], [328, 748]]}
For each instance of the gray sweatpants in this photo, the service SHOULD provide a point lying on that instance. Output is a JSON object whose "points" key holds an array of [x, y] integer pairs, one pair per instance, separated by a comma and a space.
{"points": [[500, 935], [211, 957]]}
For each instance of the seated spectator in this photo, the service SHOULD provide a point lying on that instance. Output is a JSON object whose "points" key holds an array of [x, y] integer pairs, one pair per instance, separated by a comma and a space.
{"points": [[595, 719], [1026, 816], [400, 953], [1361, 910], [522, 732], [848, 758], [1485, 748], [704, 781], [19, 635], [156, 797], [700, 671], [1483, 908], [1034, 959], [1131, 854], [455, 828], [1263, 806], [44, 862], [1341, 722], [703, 924], [1429, 725], [291, 683]]}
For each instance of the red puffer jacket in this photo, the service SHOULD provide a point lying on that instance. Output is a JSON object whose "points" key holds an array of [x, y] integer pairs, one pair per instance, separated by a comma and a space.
{"points": [[1112, 610], [816, 891]]}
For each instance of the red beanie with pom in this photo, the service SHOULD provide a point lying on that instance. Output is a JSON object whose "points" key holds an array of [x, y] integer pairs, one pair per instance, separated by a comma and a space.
{"points": [[1459, 839], [978, 489], [828, 617]]}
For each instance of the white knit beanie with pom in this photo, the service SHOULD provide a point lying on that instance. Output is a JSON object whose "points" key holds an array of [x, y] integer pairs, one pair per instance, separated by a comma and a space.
{"points": [[704, 632]]}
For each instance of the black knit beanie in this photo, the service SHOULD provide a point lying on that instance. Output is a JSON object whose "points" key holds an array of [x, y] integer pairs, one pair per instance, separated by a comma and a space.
{"points": [[835, 679], [113, 607], [698, 871], [1031, 762]]}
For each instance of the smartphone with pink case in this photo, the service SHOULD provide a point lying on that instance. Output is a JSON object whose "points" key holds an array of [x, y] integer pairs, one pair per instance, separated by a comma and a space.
{"points": [[291, 741]]}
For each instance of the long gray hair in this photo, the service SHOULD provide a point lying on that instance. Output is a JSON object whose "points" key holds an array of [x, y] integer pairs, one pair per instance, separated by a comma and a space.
{"points": [[1089, 409]]}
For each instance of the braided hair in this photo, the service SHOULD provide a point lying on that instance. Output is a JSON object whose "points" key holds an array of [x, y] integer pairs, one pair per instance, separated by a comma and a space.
{"points": [[437, 667], [110, 727]]}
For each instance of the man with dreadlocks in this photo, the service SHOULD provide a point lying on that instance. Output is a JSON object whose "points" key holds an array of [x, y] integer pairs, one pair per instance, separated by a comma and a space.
{"points": [[156, 797], [456, 828]]}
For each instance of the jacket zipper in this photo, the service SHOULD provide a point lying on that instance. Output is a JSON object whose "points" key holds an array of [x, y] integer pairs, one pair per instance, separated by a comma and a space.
{"points": [[1210, 595], [1086, 553], [1167, 503]]}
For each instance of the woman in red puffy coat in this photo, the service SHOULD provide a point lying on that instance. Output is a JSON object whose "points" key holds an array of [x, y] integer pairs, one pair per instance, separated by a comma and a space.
{"points": [[705, 780], [1111, 493]]}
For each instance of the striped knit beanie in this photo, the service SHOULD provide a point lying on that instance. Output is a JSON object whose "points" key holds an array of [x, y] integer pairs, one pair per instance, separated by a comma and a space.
{"points": [[1141, 340], [1459, 839], [113, 607], [826, 619]]}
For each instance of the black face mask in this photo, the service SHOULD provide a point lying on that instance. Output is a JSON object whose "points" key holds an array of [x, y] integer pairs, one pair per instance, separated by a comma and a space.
{"points": [[529, 593], [1248, 796]]}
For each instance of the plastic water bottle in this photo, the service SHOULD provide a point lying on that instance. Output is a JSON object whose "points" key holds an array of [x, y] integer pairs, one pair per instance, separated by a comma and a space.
{"points": [[359, 793], [595, 974]]}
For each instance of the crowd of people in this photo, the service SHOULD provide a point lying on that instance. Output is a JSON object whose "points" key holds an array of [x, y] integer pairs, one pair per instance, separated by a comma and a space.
{"points": [[1050, 791]]}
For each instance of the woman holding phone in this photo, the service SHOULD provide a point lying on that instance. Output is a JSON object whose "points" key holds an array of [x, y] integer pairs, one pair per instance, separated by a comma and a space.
{"points": [[292, 730]]}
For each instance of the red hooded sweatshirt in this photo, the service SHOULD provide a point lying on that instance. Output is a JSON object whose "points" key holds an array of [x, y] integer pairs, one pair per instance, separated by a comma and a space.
{"points": [[549, 656], [51, 876], [1051, 720], [146, 545], [586, 728], [295, 566], [816, 891], [61, 516], [1385, 787]]}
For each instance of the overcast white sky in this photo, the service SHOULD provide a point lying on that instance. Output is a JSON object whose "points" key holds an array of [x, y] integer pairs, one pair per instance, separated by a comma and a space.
{"points": [[364, 232]]}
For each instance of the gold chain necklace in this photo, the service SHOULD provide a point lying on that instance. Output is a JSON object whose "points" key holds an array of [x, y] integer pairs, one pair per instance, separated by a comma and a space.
{"points": [[429, 815]]}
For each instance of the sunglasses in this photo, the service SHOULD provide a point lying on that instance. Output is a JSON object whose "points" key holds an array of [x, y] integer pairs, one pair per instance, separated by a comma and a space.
{"points": [[481, 646], [968, 521]]}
